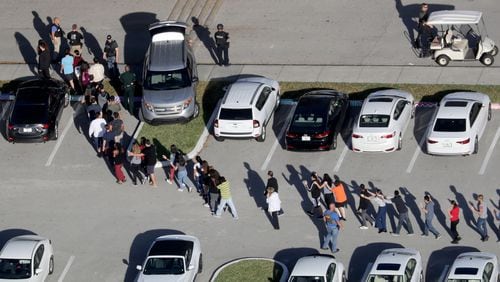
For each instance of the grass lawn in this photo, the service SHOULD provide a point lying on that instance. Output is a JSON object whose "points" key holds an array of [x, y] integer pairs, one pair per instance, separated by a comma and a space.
{"points": [[250, 271]]}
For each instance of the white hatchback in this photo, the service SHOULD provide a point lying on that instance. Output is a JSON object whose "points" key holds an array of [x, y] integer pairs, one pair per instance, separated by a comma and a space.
{"points": [[318, 268], [459, 124], [27, 258], [398, 264], [246, 108], [382, 121], [474, 266]]}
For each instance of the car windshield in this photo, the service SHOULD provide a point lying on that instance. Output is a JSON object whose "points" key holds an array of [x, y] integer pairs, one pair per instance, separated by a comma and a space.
{"points": [[385, 278], [374, 121], [15, 268], [164, 266], [167, 80], [449, 125], [307, 279], [235, 114]]}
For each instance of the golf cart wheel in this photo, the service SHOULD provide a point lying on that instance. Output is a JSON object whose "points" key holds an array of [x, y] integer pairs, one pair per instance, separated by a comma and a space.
{"points": [[487, 59], [443, 60], [494, 52]]}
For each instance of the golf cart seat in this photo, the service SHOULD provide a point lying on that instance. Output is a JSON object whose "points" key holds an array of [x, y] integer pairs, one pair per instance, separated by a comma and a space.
{"points": [[460, 44]]}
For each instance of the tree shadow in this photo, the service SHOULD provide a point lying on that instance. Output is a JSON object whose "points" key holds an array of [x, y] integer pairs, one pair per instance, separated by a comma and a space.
{"points": [[290, 256], [364, 256], [411, 202], [137, 37], [441, 260], [41, 28], [466, 211], [438, 212], [139, 248], [93, 46], [203, 34], [6, 235], [27, 51]]}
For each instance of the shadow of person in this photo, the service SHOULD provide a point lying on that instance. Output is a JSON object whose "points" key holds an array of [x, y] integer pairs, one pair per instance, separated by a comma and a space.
{"points": [[92, 44], [411, 202], [354, 189], [139, 248], [203, 34], [466, 211], [256, 188], [438, 212], [28, 52], [493, 225], [137, 37], [41, 28]]}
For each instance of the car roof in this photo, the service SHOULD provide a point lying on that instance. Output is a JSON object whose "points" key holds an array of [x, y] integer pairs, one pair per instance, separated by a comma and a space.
{"points": [[451, 17], [458, 104], [312, 265], [40, 83], [241, 94], [34, 95], [393, 256], [383, 101], [471, 260], [21, 247], [172, 245]]}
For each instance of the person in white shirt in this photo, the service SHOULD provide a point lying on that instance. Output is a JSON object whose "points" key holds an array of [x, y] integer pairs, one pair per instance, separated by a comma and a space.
{"points": [[97, 128], [381, 201], [273, 206], [96, 71]]}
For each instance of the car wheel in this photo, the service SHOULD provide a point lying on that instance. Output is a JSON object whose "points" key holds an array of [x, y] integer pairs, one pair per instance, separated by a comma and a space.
{"points": [[412, 115], [400, 142], [278, 100], [196, 111], [200, 264], [476, 146], [487, 59], [218, 138], [489, 111], [344, 277], [494, 52], [56, 131], [263, 134], [51, 265], [421, 277], [66, 100], [334, 142], [443, 60]]}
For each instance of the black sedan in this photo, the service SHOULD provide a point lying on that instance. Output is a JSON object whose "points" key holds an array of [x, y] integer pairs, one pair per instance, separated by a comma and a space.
{"points": [[34, 114], [317, 121]]}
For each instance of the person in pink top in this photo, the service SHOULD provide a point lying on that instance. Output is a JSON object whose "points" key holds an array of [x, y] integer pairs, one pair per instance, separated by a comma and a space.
{"points": [[454, 213]]}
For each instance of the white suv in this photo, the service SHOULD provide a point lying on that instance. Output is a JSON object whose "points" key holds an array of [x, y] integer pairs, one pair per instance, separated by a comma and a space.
{"points": [[246, 109]]}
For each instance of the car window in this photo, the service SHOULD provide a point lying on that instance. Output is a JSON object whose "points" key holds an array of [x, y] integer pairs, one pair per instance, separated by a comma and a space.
{"points": [[398, 110], [167, 80], [235, 114], [38, 257], [189, 253], [410, 269], [488, 270], [330, 272], [374, 121], [264, 94], [449, 125], [474, 111]]}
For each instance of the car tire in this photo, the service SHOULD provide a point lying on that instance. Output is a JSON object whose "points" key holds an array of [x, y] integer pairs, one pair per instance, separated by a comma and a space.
{"points": [[263, 134], [400, 142], [487, 59], [334, 142], [489, 112], [56, 131], [344, 277], [421, 277], [200, 264], [196, 111], [494, 52], [219, 139], [476, 146], [66, 100], [443, 60], [51, 265], [278, 100]]}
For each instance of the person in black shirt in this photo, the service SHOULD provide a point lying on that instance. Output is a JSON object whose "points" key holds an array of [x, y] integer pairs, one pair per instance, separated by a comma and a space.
{"points": [[364, 205], [272, 182], [149, 154], [43, 60], [111, 56], [402, 214], [222, 45], [75, 40], [315, 190], [423, 16]]}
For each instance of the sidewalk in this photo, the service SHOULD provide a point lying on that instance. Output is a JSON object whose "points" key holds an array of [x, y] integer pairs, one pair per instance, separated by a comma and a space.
{"points": [[329, 73]]}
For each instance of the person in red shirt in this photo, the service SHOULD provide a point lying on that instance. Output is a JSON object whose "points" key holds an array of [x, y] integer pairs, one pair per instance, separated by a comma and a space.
{"points": [[454, 219]]}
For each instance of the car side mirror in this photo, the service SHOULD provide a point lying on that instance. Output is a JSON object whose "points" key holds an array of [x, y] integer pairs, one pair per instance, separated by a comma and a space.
{"points": [[38, 271], [138, 267], [190, 267], [224, 88], [195, 79]]}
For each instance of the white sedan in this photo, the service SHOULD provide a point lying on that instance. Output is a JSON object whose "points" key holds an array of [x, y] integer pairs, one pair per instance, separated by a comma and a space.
{"points": [[27, 258], [382, 121], [172, 258], [474, 266], [398, 264], [322, 268], [459, 124]]}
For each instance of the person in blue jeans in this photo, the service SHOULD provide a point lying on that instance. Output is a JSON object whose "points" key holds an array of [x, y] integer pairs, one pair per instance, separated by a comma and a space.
{"points": [[333, 226], [182, 175], [428, 209], [380, 219], [481, 209]]}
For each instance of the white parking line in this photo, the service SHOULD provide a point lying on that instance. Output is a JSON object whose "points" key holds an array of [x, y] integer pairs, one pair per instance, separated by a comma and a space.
{"points": [[341, 158], [276, 142], [420, 144], [66, 269], [490, 151], [61, 137]]}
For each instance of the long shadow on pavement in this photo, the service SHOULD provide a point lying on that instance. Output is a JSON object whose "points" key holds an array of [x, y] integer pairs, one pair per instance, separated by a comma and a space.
{"points": [[203, 34], [41, 28], [411, 202], [364, 256], [441, 260], [27, 51], [466, 211], [438, 212], [92, 44], [256, 188], [139, 249], [137, 37]]}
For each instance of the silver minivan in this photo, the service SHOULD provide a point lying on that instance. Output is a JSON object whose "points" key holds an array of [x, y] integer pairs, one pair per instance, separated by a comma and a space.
{"points": [[169, 76]]}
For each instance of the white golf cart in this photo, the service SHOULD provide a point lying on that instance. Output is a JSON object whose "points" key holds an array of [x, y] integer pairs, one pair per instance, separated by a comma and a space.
{"points": [[461, 37]]}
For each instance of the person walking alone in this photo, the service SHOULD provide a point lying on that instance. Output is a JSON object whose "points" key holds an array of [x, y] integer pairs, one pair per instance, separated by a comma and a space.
{"points": [[333, 226], [222, 45], [403, 217], [454, 213], [273, 206], [428, 209], [128, 79], [364, 204], [481, 209], [225, 198], [43, 60], [111, 54]]}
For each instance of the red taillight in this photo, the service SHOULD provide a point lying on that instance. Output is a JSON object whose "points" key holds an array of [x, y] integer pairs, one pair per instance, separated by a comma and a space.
{"points": [[356, 136], [463, 142], [10, 126], [430, 141], [45, 126], [321, 135], [216, 123], [388, 136], [291, 135], [256, 124]]}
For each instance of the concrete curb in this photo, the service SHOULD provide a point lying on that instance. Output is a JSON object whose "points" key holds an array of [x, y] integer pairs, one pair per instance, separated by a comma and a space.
{"points": [[283, 278]]}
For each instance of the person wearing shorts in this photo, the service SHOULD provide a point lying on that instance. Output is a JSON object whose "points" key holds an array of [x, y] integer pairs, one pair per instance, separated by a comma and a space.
{"points": [[340, 198], [67, 69]]}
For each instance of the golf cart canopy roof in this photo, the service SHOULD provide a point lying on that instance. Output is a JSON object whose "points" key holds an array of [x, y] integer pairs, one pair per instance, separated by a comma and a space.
{"points": [[454, 17]]}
